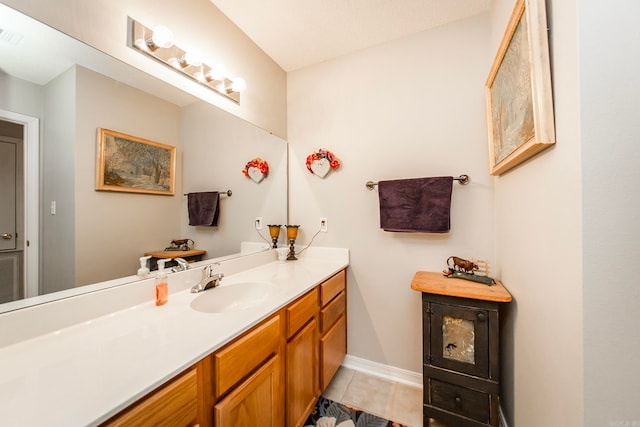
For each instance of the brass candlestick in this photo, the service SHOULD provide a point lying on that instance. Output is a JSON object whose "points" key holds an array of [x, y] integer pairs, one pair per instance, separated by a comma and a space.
{"points": [[292, 233], [274, 232]]}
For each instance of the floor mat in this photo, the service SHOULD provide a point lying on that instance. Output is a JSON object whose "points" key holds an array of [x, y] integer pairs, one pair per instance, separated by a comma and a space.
{"points": [[328, 413]]}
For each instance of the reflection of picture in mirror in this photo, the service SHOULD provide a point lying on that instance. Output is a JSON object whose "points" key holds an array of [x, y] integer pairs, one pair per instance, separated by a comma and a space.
{"points": [[131, 164]]}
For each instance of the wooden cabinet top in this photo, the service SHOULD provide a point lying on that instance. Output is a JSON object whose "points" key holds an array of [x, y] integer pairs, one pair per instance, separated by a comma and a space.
{"points": [[436, 283], [175, 254]]}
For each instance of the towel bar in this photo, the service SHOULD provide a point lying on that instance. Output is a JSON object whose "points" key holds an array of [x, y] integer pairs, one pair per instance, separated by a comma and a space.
{"points": [[463, 179], [228, 193]]}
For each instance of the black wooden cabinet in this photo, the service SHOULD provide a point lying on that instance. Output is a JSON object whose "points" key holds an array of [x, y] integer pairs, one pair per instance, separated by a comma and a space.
{"points": [[461, 369]]}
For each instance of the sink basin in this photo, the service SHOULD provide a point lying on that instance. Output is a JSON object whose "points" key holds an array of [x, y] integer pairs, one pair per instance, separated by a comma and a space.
{"points": [[233, 297]]}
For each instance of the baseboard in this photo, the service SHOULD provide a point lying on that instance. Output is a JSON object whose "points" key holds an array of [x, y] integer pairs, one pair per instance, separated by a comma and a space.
{"points": [[410, 378]]}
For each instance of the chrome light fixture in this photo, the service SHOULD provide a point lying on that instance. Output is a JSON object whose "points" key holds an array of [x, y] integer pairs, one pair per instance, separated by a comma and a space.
{"points": [[157, 43]]}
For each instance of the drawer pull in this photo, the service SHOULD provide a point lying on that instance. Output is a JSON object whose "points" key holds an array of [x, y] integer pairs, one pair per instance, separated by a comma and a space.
{"points": [[7, 236], [458, 401], [482, 317]]}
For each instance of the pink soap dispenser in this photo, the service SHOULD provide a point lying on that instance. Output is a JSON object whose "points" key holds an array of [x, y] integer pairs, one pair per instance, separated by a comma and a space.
{"points": [[162, 285]]}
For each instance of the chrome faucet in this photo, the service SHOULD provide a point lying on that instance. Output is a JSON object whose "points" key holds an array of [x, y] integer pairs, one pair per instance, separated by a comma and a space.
{"points": [[209, 280], [182, 265]]}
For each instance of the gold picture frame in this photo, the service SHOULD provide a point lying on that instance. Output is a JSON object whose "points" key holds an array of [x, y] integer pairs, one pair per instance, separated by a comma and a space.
{"points": [[518, 90], [134, 165]]}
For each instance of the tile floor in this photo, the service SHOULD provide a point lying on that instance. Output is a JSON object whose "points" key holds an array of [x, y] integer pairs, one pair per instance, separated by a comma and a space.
{"points": [[391, 400]]}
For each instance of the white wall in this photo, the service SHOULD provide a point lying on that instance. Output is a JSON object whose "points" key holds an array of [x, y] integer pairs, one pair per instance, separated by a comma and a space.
{"points": [[409, 108], [609, 106], [20, 96], [538, 242], [195, 23], [113, 229], [217, 147], [57, 157]]}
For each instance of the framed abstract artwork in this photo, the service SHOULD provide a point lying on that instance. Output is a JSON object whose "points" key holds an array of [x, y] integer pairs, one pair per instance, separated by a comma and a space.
{"points": [[518, 90], [134, 165]]}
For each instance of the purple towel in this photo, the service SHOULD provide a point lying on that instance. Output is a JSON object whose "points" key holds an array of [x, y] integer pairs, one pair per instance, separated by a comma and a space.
{"points": [[203, 208], [420, 205]]}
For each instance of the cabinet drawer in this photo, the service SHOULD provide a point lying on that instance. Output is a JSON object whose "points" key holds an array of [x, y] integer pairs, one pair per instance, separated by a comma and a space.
{"points": [[299, 313], [332, 287], [175, 404], [332, 312], [241, 357], [460, 400], [333, 349]]}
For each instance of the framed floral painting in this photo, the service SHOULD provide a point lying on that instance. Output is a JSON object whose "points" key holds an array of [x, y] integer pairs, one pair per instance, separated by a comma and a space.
{"points": [[518, 90]]}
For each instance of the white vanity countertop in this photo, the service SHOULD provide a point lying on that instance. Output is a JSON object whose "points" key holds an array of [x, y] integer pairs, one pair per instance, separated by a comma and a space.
{"points": [[84, 373]]}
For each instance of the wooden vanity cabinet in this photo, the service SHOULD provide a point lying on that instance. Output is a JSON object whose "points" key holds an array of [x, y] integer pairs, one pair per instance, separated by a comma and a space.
{"points": [[302, 379], [333, 326], [316, 345], [271, 375]]}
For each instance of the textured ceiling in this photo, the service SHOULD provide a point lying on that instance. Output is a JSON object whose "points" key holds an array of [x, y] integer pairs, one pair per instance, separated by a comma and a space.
{"points": [[299, 33]]}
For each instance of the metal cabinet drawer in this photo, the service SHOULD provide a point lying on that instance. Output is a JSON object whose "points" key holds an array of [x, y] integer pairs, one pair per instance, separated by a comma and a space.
{"points": [[460, 400]]}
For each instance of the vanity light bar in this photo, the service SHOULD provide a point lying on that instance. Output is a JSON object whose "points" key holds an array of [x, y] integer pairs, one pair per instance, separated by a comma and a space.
{"points": [[158, 44]]}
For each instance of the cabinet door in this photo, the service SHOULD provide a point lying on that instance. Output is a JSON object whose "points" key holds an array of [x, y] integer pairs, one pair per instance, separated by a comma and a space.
{"points": [[333, 349], [460, 338], [302, 374], [255, 402]]}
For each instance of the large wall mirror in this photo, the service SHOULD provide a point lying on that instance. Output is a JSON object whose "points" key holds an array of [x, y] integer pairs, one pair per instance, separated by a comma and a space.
{"points": [[57, 232]]}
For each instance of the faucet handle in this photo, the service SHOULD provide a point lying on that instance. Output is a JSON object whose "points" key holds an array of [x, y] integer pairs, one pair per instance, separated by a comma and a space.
{"points": [[182, 265], [208, 270], [205, 283]]}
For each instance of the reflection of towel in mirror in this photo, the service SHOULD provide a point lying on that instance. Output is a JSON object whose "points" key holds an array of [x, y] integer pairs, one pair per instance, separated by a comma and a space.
{"points": [[203, 208], [419, 205]]}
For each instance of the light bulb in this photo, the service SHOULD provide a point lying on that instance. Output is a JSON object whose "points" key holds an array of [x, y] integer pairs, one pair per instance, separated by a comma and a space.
{"points": [[193, 57], [217, 73], [162, 37], [239, 84]]}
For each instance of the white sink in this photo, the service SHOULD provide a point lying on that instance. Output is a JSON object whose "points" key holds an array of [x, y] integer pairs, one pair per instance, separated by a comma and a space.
{"points": [[233, 297]]}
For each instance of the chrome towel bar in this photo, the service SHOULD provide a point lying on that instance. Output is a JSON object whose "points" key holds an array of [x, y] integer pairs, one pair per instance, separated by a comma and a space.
{"points": [[228, 193], [463, 179]]}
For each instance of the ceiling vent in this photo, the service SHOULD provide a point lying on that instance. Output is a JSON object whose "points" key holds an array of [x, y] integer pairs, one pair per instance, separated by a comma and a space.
{"points": [[10, 37]]}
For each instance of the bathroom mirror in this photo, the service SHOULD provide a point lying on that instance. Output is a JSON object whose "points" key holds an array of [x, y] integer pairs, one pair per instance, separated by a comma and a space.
{"points": [[78, 236]]}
